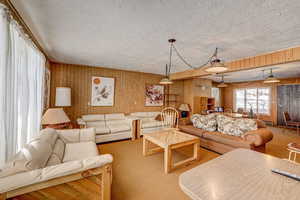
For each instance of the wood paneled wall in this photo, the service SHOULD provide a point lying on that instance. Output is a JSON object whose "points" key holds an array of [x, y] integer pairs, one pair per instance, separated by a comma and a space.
{"points": [[228, 94], [196, 87], [129, 88], [268, 59]]}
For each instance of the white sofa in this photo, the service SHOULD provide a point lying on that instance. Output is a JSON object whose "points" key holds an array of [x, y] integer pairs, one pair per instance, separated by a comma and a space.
{"points": [[109, 127], [55, 158], [146, 122]]}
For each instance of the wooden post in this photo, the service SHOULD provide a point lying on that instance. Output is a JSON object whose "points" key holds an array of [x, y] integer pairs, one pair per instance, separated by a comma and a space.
{"points": [[3, 196]]}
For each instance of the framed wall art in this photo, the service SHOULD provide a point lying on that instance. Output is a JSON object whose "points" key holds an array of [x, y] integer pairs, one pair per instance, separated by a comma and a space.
{"points": [[103, 91], [154, 95]]}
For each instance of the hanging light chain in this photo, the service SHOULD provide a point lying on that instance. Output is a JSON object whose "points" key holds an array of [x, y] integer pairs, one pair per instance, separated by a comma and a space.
{"points": [[181, 57], [172, 46]]}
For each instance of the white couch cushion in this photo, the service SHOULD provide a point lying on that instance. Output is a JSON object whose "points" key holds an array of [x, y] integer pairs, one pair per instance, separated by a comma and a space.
{"points": [[78, 151], [140, 114], [49, 135], [102, 130], [69, 135], [93, 117], [95, 124], [39, 175], [87, 135], [114, 116], [153, 114], [18, 180], [116, 128], [151, 124]]}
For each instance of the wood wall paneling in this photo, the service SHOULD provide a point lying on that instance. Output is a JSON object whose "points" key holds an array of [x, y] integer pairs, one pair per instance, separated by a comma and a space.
{"points": [[196, 87], [129, 89], [273, 58]]}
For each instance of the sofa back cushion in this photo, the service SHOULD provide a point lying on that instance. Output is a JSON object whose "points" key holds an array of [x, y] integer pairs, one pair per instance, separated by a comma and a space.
{"points": [[140, 114], [87, 135], [153, 114], [48, 135], [115, 116], [145, 114], [96, 124], [205, 122], [235, 127], [69, 135], [93, 117]]}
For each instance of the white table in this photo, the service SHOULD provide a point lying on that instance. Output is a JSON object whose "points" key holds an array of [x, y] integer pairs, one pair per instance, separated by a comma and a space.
{"points": [[241, 175]]}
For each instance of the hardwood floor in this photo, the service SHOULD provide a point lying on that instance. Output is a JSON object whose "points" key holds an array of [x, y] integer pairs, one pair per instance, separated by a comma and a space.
{"points": [[136, 177]]}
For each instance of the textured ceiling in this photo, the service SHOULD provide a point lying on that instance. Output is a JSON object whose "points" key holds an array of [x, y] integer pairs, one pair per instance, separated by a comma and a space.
{"points": [[279, 71], [133, 34]]}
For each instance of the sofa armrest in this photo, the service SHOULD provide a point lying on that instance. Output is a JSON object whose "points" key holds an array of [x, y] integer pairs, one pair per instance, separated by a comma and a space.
{"points": [[258, 137], [131, 121], [42, 175], [81, 123]]}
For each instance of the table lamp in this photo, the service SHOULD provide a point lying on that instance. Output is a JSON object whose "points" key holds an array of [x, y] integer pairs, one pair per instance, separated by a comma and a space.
{"points": [[184, 108], [63, 97], [55, 118]]}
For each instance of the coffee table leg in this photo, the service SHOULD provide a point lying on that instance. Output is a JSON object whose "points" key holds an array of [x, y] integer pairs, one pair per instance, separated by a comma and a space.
{"points": [[196, 151], [168, 160], [145, 146]]}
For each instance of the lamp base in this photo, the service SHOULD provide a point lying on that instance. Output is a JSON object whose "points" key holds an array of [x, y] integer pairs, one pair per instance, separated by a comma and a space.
{"points": [[184, 114], [58, 126]]}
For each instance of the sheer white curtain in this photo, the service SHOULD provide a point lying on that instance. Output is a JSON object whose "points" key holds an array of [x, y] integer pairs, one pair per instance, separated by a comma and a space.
{"points": [[22, 72]]}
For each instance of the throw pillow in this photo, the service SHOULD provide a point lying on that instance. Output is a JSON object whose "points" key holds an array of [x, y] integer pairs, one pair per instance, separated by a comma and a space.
{"points": [[205, 122], [244, 125], [223, 121], [158, 117], [37, 153], [53, 160], [235, 127]]}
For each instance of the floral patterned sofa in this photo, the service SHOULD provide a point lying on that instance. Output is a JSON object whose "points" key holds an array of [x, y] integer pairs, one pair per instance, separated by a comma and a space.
{"points": [[221, 133]]}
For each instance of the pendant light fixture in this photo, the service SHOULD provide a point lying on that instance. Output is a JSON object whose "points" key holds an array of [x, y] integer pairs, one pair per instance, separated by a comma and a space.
{"points": [[222, 83], [271, 78], [166, 80], [216, 65]]}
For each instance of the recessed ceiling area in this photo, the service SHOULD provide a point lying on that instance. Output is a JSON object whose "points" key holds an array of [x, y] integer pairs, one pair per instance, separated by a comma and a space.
{"points": [[133, 35], [289, 70]]}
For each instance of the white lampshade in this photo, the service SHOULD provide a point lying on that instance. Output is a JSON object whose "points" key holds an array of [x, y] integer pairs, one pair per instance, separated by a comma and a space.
{"points": [[55, 116], [184, 107], [63, 96]]}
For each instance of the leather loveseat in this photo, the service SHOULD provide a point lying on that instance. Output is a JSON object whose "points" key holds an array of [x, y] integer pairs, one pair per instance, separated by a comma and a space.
{"points": [[222, 143]]}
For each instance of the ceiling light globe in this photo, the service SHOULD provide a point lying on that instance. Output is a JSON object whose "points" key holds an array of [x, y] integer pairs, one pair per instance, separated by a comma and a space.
{"points": [[165, 81]]}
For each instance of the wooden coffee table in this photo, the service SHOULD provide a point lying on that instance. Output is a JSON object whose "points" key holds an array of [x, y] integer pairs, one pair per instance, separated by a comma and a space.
{"points": [[168, 140]]}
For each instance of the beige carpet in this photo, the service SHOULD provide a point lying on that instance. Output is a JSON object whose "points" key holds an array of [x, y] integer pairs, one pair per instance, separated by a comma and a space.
{"points": [[136, 177]]}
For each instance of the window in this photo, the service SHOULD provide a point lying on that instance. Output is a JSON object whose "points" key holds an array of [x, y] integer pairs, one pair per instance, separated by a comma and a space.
{"points": [[257, 98], [22, 68]]}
